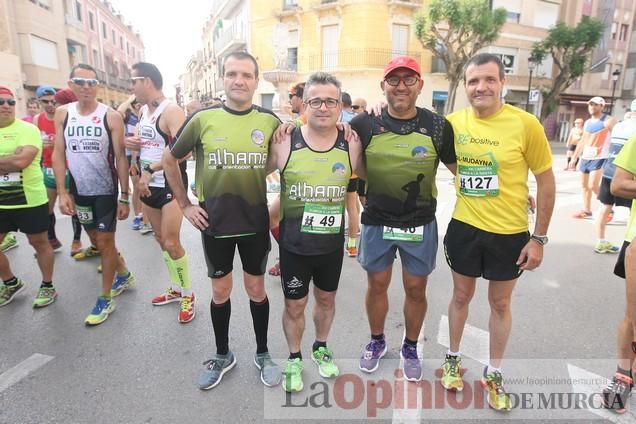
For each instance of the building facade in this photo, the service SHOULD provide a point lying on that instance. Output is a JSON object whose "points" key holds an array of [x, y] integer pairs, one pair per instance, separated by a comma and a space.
{"points": [[41, 40]]}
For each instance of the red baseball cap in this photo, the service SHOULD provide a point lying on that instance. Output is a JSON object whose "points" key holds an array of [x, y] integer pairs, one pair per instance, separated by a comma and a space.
{"points": [[6, 90], [402, 62]]}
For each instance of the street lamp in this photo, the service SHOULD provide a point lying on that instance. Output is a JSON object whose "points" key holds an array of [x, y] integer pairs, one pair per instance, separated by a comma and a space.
{"points": [[615, 75], [531, 66]]}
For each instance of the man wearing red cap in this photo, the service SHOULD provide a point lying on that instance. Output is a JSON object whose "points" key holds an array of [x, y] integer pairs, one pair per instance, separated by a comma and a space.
{"points": [[402, 147], [23, 201]]}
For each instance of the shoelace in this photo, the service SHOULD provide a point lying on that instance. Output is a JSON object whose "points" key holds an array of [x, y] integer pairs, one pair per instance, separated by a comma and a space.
{"points": [[453, 364], [213, 364], [186, 303], [410, 352], [372, 348], [325, 355], [497, 381], [617, 386], [46, 291], [292, 368]]}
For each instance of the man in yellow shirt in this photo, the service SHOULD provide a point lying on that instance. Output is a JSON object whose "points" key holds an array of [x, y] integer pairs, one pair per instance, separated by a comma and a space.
{"points": [[496, 145]]}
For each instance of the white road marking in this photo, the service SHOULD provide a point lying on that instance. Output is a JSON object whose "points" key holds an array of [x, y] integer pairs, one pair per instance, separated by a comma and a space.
{"points": [[22, 370], [579, 375], [475, 341]]}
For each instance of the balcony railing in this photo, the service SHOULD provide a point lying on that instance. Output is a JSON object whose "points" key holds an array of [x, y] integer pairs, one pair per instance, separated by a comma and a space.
{"points": [[347, 59], [235, 34]]}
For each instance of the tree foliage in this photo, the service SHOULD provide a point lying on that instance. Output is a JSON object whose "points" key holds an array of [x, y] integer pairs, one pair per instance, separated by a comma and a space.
{"points": [[454, 31], [571, 49]]}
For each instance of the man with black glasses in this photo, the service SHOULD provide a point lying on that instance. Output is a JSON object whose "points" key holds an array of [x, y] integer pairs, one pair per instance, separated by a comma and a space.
{"points": [[402, 147]]}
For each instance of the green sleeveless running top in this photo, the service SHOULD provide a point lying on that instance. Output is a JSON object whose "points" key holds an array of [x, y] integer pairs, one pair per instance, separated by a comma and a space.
{"points": [[313, 191]]}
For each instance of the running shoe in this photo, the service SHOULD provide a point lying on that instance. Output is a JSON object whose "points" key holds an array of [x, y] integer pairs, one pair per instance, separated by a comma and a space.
{"points": [[9, 242], [373, 352], [45, 296], [136, 223], [55, 244], [8, 293], [352, 251], [451, 375], [100, 268], [293, 375], [498, 399], [214, 370], [606, 247], [102, 309], [270, 371], [583, 215], [275, 270], [89, 252], [411, 365], [145, 229], [166, 297], [616, 395], [187, 311], [323, 357], [76, 247], [122, 283]]}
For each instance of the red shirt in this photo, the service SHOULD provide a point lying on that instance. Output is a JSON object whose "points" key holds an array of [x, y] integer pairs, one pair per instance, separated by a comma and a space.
{"points": [[47, 131]]}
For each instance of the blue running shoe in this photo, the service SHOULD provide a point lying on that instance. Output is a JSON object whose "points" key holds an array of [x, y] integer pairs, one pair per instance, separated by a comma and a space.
{"points": [[103, 308], [136, 224], [121, 284]]}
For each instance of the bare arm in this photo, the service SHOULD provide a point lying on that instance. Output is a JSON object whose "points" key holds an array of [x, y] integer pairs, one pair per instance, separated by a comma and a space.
{"points": [[19, 160], [357, 158], [116, 124], [124, 106], [546, 193], [623, 184], [172, 120], [59, 150], [452, 167]]}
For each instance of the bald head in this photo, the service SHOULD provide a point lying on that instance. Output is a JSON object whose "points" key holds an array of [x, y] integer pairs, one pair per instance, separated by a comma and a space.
{"points": [[359, 105], [192, 107]]}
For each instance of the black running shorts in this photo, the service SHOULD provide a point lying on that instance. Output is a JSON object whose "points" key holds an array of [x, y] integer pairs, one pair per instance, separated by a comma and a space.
{"points": [[296, 271], [219, 253], [476, 253], [32, 220], [619, 268], [97, 212], [159, 197], [606, 197]]}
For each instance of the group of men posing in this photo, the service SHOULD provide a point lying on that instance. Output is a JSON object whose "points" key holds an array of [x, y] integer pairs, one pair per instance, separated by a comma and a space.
{"points": [[490, 146]]}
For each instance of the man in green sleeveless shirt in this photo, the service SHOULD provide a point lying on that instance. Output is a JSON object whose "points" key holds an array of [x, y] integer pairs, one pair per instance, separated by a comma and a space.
{"points": [[316, 164]]}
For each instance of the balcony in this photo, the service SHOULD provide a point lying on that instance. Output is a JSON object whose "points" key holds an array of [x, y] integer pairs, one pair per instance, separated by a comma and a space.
{"points": [[231, 38], [221, 8], [350, 59]]}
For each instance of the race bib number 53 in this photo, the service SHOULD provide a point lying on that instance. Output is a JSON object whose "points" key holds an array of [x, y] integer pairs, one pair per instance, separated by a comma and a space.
{"points": [[321, 219], [84, 214]]}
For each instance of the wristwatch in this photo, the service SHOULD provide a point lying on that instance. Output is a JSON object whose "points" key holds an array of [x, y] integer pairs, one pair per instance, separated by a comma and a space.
{"points": [[542, 240], [148, 169]]}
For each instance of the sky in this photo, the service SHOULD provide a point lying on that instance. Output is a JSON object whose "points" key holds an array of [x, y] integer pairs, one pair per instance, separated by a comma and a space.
{"points": [[171, 32]]}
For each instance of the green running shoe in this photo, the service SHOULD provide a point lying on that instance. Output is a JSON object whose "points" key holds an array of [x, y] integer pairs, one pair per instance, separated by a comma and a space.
{"points": [[323, 357], [451, 376], [293, 375], [103, 308], [9, 242], [498, 399], [45, 296], [8, 293], [89, 252]]}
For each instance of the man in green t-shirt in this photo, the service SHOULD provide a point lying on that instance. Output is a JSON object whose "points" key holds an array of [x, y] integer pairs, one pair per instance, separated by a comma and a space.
{"points": [[230, 143], [616, 395], [23, 200]]}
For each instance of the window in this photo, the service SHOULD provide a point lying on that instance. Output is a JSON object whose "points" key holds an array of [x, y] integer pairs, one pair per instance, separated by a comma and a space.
{"points": [[114, 36], [614, 30], [508, 61], [546, 15], [44, 4], [127, 47], [513, 9], [91, 21], [121, 42], [78, 10], [587, 8], [439, 101], [104, 31], [96, 63], [399, 40], [513, 17], [267, 100], [329, 47], [44, 52], [288, 4], [292, 59], [133, 48], [622, 35]]}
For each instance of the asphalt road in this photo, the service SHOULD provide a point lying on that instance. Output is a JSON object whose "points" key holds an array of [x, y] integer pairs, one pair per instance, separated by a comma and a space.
{"points": [[141, 365]]}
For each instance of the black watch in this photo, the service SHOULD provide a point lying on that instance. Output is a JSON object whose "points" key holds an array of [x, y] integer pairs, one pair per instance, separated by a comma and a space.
{"points": [[148, 169], [542, 240]]}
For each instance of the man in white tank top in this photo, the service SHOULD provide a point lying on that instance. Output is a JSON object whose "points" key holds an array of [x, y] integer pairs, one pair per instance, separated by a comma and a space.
{"points": [[159, 122], [89, 137]]}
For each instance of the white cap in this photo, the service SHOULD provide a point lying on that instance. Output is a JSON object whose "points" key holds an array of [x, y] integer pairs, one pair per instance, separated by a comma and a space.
{"points": [[598, 100]]}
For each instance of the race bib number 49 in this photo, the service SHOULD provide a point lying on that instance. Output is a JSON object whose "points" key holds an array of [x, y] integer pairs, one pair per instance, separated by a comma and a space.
{"points": [[321, 219], [479, 181], [403, 234]]}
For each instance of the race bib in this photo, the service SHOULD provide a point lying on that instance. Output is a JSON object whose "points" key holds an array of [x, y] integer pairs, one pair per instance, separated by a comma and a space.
{"points": [[10, 179], [84, 214], [321, 219], [478, 181], [49, 172], [590, 152], [403, 234]]}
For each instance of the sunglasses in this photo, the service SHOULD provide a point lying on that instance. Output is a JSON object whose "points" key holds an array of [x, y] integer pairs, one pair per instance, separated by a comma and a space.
{"points": [[10, 102], [91, 82], [356, 107], [48, 102]]}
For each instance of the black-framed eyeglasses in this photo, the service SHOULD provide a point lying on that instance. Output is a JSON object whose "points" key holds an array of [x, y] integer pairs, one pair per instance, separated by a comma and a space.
{"points": [[409, 81], [91, 82], [48, 102], [10, 102], [134, 79], [316, 103]]}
